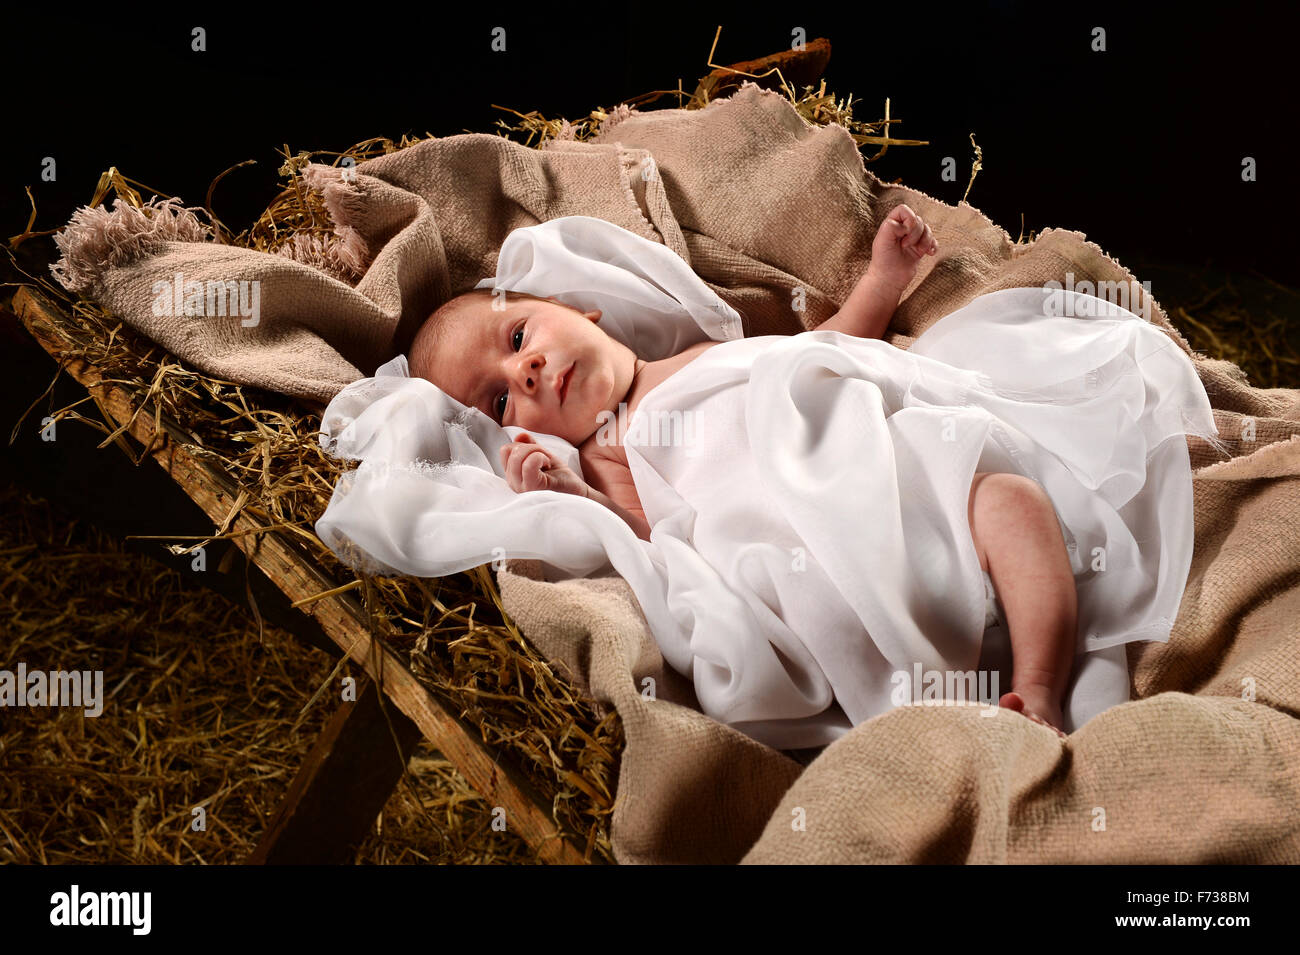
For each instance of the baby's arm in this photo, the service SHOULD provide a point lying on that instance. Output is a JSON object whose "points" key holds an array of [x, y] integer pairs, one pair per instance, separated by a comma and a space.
{"points": [[900, 243], [631, 513], [610, 483]]}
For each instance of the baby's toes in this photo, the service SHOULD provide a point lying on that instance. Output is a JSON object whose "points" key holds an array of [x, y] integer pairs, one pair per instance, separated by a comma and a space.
{"points": [[1012, 701]]}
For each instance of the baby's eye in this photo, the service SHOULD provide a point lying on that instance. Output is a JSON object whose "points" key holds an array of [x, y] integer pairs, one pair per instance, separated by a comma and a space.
{"points": [[501, 398]]}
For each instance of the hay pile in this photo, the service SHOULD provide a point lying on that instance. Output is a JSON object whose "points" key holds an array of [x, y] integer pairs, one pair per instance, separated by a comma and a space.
{"points": [[200, 712], [1251, 321]]}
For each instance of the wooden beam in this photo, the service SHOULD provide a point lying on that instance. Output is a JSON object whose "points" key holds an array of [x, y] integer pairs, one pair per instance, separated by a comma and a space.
{"points": [[341, 616], [343, 784]]}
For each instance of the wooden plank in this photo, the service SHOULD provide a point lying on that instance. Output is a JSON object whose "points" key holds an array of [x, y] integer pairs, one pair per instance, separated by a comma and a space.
{"points": [[340, 616], [343, 784]]}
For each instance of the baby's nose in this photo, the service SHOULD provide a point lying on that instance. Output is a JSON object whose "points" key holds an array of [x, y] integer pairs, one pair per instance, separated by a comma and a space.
{"points": [[531, 371]]}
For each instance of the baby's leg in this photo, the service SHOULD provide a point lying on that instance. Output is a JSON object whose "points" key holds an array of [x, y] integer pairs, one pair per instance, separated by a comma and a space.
{"points": [[1020, 545]]}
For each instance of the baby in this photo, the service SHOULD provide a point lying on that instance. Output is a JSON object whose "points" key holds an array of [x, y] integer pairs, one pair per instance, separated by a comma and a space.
{"points": [[538, 364]]}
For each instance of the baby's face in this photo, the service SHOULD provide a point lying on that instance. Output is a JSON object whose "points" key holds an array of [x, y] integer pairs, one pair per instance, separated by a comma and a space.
{"points": [[513, 362]]}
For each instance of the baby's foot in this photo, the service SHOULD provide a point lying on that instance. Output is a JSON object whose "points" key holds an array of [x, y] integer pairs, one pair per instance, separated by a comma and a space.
{"points": [[1037, 703]]}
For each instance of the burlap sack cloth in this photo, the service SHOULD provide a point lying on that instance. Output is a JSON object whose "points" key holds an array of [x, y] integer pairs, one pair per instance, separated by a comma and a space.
{"points": [[1203, 765]]}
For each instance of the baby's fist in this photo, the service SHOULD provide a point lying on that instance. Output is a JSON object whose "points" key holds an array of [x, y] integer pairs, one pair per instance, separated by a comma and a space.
{"points": [[902, 240], [530, 467]]}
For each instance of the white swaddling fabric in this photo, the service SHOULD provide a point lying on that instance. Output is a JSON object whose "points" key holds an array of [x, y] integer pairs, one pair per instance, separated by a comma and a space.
{"points": [[807, 494]]}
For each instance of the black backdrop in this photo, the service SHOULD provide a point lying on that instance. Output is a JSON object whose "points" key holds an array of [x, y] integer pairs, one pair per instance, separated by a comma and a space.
{"points": [[1139, 146]]}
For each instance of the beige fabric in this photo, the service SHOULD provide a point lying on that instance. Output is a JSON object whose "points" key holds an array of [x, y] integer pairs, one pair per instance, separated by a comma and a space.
{"points": [[772, 213], [417, 225]]}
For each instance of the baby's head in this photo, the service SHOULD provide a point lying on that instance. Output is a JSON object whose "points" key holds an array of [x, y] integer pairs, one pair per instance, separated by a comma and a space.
{"points": [[510, 354]]}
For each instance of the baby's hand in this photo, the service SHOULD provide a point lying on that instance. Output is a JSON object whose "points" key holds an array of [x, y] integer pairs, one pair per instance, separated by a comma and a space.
{"points": [[901, 241], [530, 467]]}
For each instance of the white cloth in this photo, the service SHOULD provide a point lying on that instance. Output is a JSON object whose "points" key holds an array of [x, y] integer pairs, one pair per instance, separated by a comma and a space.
{"points": [[807, 494]]}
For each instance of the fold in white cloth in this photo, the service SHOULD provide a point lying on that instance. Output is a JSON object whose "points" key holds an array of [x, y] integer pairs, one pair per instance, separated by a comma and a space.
{"points": [[807, 494]]}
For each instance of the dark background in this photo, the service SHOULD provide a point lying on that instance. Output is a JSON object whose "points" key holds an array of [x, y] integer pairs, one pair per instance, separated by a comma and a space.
{"points": [[1140, 147]]}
